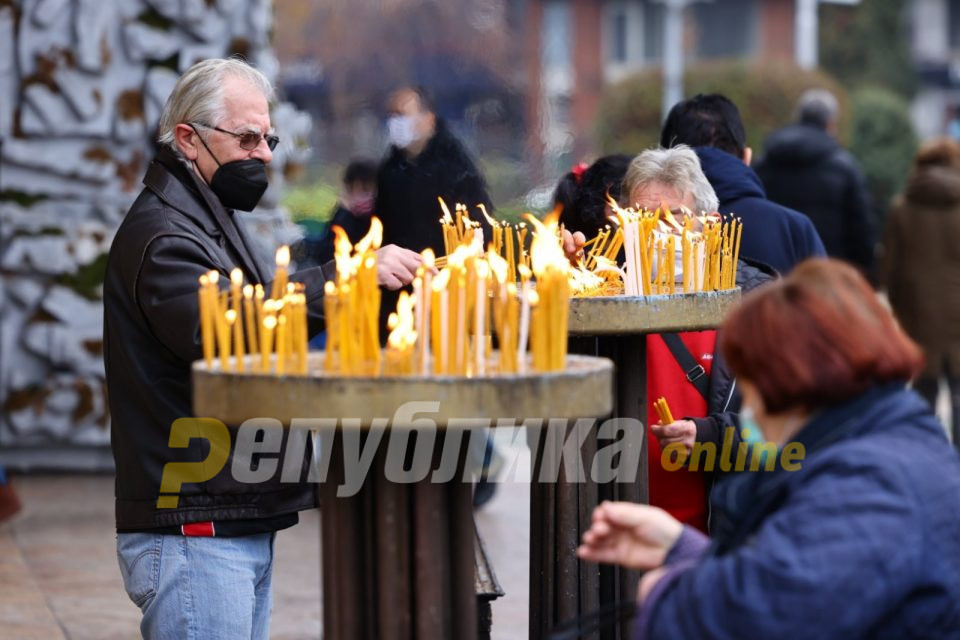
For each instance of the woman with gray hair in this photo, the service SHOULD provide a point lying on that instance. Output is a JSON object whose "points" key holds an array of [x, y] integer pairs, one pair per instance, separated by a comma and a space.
{"points": [[667, 177]]}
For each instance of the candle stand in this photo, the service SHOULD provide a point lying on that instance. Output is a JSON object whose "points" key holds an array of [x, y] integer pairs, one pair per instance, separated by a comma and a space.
{"points": [[399, 556], [563, 588]]}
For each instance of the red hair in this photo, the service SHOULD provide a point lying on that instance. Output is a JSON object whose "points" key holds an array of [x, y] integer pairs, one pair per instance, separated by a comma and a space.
{"points": [[818, 337]]}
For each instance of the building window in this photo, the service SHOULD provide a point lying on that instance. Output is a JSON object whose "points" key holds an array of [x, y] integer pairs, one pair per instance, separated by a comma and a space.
{"points": [[727, 29], [618, 36], [557, 35]]}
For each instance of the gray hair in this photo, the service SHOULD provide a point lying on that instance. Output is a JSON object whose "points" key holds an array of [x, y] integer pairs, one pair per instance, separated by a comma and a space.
{"points": [[817, 107], [677, 167], [198, 95]]}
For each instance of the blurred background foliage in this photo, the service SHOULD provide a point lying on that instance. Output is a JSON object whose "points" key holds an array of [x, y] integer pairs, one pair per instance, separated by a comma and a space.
{"points": [[629, 119]]}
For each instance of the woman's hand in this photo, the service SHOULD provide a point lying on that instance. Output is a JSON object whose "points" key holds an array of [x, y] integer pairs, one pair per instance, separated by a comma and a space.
{"points": [[573, 246], [682, 431], [636, 536]]}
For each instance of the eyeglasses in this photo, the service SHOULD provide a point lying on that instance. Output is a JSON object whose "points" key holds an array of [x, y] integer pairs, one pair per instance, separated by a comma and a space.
{"points": [[249, 140]]}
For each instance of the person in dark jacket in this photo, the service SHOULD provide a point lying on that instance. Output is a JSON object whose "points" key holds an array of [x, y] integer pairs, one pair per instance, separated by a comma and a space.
{"points": [[805, 168], [851, 532], [772, 234], [425, 162], [213, 550], [353, 211]]}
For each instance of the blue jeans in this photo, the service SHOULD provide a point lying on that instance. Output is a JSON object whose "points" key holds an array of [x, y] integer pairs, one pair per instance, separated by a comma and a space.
{"points": [[199, 588]]}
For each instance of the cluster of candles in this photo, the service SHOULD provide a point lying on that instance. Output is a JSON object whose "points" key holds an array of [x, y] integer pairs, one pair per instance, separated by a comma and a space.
{"points": [[351, 305], [241, 319], [446, 326], [507, 241], [650, 241], [663, 410]]}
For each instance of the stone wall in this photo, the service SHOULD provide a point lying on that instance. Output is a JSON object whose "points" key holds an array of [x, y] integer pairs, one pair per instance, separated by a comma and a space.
{"points": [[82, 83]]}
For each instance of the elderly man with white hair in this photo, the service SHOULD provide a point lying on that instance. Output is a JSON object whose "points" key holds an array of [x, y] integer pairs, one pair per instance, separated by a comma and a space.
{"points": [[200, 569]]}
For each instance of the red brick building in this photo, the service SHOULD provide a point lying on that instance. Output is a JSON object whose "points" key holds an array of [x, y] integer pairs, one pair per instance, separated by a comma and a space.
{"points": [[575, 47]]}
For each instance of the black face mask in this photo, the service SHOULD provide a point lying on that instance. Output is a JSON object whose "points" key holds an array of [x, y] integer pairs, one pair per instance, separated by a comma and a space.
{"points": [[239, 184]]}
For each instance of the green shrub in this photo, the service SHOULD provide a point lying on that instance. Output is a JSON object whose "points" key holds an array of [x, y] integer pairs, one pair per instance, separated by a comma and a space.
{"points": [[629, 118], [883, 140], [314, 201]]}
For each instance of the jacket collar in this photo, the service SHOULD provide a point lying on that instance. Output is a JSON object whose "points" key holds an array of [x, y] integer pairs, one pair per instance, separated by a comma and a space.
{"points": [[743, 500], [181, 189], [729, 177]]}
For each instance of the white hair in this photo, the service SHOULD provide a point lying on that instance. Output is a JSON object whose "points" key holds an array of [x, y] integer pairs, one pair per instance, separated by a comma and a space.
{"points": [[198, 95], [677, 167], [817, 107]]}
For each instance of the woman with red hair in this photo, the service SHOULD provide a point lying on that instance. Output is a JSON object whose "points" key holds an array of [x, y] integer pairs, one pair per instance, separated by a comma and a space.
{"points": [[857, 538]]}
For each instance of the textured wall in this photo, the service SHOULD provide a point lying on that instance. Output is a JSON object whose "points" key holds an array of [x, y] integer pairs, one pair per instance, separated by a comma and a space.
{"points": [[82, 83]]}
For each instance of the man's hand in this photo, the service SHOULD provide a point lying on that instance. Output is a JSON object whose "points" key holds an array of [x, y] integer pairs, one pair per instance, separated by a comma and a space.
{"points": [[396, 266], [573, 246], [636, 536], [682, 431]]}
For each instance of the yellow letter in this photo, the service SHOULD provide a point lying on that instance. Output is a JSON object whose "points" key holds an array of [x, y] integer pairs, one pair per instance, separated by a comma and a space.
{"points": [[677, 463], [765, 452], [698, 451], [176, 473], [792, 454], [726, 449]]}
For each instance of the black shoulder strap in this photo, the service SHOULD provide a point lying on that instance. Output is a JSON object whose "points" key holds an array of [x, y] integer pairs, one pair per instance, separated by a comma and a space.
{"points": [[696, 374]]}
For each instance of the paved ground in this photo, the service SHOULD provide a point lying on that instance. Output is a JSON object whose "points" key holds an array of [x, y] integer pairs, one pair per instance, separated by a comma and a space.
{"points": [[59, 575]]}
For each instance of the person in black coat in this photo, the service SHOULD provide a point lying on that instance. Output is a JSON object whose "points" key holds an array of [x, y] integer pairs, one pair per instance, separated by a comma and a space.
{"points": [[772, 234], [805, 168], [425, 161]]}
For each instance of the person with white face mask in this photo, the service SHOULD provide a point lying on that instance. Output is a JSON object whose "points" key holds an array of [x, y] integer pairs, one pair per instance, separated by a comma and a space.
{"points": [[424, 161], [851, 532]]}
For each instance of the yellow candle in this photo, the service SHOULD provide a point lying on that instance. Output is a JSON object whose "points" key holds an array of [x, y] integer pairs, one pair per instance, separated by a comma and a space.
{"points": [[223, 329], [236, 287], [206, 321], [330, 321], [280, 277], [266, 343], [249, 320], [282, 343]]}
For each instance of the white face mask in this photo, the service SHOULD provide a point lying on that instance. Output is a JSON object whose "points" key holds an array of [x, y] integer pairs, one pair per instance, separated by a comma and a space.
{"points": [[401, 131]]}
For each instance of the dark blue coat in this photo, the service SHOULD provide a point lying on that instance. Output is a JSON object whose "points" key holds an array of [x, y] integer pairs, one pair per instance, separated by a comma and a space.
{"points": [[863, 541], [772, 234]]}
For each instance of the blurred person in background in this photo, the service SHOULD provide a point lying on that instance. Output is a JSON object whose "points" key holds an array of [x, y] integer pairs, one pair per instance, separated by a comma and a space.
{"points": [[921, 267], [425, 161], [352, 212], [772, 234], [852, 536], [805, 168]]}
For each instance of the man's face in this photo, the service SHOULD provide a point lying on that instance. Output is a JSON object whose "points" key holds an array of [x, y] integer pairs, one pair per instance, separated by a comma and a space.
{"points": [[245, 110], [656, 195]]}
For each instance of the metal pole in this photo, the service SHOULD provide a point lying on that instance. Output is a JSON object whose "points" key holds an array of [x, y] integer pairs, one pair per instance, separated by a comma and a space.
{"points": [[805, 34], [672, 54]]}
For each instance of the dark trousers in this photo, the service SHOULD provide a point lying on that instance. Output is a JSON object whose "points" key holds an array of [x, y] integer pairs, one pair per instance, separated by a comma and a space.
{"points": [[928, 388]]}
